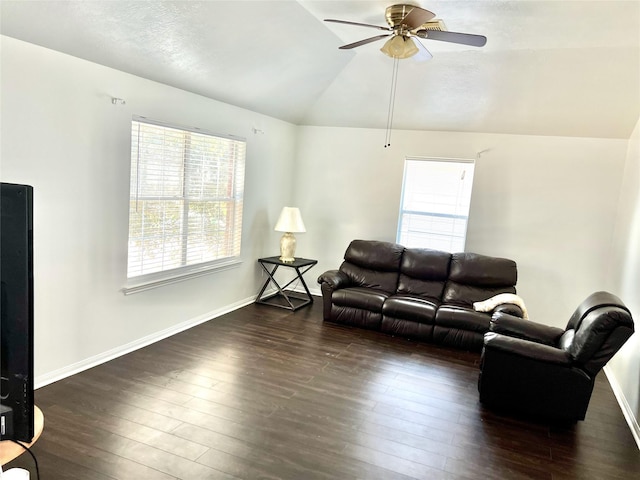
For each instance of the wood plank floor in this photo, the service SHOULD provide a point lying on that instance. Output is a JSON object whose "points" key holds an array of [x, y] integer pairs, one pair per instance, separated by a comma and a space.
{"points": [[263, 393]]}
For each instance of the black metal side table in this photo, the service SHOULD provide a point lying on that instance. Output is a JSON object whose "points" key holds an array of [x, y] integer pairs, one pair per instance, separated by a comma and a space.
{"points": [[283, 298]]}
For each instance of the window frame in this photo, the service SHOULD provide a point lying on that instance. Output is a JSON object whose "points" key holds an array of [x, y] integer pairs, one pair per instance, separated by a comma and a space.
{"points": [[402, 211], [183, 272]]}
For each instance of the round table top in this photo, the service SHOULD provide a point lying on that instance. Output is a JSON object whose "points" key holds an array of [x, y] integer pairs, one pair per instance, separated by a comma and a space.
{"points": [[10, 450]]}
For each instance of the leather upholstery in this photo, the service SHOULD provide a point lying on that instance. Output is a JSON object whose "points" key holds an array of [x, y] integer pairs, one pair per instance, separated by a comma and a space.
{"points": [[407, 328], [423, 272], [356, 317], [548, 372], [358, 297], [595, 300], [474, 278], [334, 278], [367, 278], [462, 318], [598, 339], [456, 337], [416, 309], [472, 268], [374, 255], [465, 295], [373, 264], [456, 325], [515, 327], [416, 292]]}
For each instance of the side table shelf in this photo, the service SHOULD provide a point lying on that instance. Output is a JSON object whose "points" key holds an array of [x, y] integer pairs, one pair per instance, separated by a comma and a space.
{"points": [[10, 450], [285, 298]]}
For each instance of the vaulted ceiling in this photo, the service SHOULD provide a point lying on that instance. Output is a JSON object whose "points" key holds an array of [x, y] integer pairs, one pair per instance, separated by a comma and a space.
{"points": [[569, 68]]}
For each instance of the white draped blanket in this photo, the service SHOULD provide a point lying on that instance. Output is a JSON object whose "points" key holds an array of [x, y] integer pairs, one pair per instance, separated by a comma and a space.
{"points": [[493, 302]]}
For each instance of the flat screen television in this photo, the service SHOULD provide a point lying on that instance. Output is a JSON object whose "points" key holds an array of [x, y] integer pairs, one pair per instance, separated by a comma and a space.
{"points": [[16, 312]]}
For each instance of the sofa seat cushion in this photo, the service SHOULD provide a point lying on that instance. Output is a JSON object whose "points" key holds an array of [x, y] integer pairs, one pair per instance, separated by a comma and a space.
{"points": [[463, 318], [408, 307], [360, 297]]}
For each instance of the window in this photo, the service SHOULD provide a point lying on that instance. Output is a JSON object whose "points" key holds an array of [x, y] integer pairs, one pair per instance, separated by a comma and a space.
{"points": [[434, 209], [186, 192]]}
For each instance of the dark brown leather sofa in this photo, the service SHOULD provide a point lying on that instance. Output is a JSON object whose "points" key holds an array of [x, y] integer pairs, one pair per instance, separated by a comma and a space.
{"points": [[417, 293], [549, 372]]}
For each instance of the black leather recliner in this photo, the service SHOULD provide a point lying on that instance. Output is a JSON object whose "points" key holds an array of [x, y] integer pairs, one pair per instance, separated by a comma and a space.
{"points": [[547, 372]]}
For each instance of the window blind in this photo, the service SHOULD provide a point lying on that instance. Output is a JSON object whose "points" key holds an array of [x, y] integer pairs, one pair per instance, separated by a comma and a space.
{"points": [[186, 198], [436, 197]]}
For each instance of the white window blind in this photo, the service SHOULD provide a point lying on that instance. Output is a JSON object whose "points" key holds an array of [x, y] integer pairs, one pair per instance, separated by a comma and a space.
{"points": [[185, 198], [434, 208]]}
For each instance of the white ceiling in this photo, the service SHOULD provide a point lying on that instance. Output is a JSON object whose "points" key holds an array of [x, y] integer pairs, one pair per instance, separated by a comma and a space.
{"points": [[569, 68]]}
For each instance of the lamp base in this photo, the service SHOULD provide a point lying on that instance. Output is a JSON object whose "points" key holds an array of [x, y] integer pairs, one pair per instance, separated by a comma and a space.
{"points": [[287, 247]]}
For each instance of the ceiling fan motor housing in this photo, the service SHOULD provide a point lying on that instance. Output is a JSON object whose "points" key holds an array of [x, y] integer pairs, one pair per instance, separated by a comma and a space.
{"points": [[395, 13]]}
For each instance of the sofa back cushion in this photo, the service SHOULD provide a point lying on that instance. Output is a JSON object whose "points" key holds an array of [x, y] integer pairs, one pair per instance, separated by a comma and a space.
{"points": [[474, 278], [373, 264], [423, 272]]}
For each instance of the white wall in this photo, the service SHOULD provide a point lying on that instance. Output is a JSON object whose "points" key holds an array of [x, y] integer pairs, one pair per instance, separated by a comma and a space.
{"points": [[549, 203], [61, 134], [624, 369]]}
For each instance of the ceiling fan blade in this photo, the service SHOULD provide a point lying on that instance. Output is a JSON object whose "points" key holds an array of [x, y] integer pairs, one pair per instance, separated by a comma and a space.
{"points": [[358, 24], [423, 54], [453, 37], [363, 42], [416, 17]]}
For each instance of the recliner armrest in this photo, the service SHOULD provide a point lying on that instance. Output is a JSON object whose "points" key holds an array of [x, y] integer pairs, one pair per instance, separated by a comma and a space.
{"points": [[335, 279], [513, 326], [525, 348], [510, 308]]}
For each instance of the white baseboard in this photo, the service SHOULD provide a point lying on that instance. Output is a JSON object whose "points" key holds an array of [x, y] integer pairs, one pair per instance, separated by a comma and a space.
{"points": [[632, 421], [316, 292], [64, 372]]}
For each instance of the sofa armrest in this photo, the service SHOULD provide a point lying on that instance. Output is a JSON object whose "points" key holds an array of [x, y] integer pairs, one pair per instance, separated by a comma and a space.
{"points": [[330, 281], [510, 308], [334, 279], [513, 326], [526, 349]]}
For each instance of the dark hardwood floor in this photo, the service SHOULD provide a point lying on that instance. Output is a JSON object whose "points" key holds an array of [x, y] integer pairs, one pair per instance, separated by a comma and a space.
{"points": [[263, 393]]}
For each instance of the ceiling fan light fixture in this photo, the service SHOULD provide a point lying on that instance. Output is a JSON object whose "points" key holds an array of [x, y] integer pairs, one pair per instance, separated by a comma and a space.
{"points": [[399, 46]]}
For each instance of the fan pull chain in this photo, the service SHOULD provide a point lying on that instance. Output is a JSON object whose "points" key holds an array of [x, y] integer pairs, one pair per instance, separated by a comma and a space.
{"points": [[392, 101]]}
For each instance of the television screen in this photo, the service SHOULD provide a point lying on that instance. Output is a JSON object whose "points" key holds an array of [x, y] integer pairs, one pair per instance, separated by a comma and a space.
{"points": [[16, 311]]}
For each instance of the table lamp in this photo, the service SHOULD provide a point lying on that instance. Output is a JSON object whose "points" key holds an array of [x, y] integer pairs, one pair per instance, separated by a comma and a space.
{"points": [[290, 221]]}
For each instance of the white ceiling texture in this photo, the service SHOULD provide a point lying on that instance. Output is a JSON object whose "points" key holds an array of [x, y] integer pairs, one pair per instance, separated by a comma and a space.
{"points": [[568, 68]]}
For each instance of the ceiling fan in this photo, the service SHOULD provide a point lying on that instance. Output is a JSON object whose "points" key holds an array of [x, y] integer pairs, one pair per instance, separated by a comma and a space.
{"points": [[406, 22]]}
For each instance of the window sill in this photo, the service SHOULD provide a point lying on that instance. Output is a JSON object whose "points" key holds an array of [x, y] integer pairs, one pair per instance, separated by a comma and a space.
{"points": [[174, 276]]}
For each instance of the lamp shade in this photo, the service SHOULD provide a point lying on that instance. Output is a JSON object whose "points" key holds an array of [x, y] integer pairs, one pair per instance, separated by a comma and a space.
{"points": [[290, 220], [399, 46]]}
